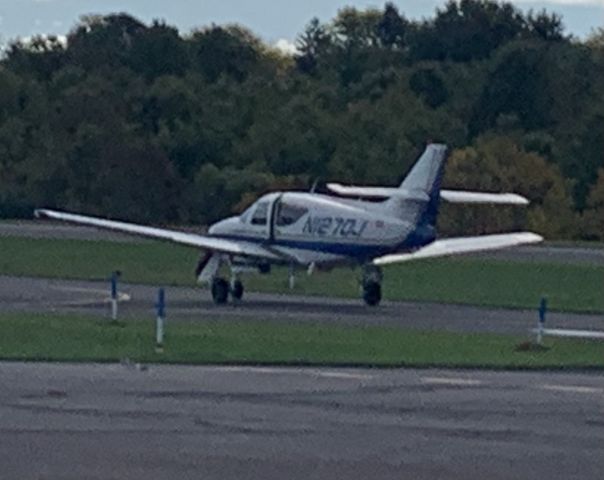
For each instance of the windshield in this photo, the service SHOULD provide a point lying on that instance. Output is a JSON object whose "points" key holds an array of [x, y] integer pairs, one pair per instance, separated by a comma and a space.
{"points": [[260, 215], [289, 214]]}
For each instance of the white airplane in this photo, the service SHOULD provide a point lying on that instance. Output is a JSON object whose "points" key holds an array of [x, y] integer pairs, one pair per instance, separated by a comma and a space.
{"points": [[315, 230]]}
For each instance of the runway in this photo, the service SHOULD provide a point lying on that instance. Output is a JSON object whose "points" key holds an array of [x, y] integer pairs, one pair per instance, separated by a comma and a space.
{"points": [[19, 294], [115, 421]]}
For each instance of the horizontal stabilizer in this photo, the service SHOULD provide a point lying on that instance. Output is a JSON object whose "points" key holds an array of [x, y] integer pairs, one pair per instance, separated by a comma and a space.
{"points": [[376, 192], [456, 246], [189, 239], [460, 196], [452, 196]]}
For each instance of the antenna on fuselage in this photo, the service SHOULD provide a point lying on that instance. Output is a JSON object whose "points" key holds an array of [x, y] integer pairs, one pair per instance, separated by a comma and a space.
{"points": [[314, 185]]}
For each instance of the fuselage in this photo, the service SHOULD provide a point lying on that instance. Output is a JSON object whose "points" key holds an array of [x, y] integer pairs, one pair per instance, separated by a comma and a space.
{"points": [[315, 228]]}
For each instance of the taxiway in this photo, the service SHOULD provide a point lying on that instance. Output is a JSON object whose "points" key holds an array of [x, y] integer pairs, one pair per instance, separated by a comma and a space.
{"points": [[115, 421], [187, 303]]}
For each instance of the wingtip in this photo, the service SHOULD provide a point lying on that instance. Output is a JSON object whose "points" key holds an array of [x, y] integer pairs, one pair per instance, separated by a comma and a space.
{"points": [[516, 199], [42, 213], [531, 237]]}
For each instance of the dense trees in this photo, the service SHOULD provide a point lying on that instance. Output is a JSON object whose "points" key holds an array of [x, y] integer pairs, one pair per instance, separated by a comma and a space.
{"points": [[144, 123], [497, 163]]}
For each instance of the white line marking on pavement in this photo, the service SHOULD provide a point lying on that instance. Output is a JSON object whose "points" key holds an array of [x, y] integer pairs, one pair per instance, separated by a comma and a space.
{"points": [[356, 376], [451, 381], [235, 369], [289, 371], [572, 388], [121, 297], [80, 289]]}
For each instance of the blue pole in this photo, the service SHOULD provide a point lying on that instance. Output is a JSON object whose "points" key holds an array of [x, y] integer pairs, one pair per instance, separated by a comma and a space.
{"points": [[161, 303], [542, 313], [114, 285], [542, 310], [114, 296]]}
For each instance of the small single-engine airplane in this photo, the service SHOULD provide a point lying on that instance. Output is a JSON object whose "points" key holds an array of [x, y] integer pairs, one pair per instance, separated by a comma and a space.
{"points": [[316, 230]]}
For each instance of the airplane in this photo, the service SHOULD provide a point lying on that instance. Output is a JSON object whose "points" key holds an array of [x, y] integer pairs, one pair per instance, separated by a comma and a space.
{"points": [[355, 226]]}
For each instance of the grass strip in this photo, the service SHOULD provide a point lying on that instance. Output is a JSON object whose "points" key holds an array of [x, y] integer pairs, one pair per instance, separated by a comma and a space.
{"points": [[479, 281], [80, 338]]}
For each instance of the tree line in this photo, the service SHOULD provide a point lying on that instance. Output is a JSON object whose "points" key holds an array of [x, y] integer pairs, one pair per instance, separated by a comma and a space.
{"points": [[142, 122]]}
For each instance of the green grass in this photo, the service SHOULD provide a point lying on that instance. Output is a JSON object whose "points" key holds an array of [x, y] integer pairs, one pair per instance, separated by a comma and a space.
{"points": [[80, 338], [471, 281], [145, 262]]}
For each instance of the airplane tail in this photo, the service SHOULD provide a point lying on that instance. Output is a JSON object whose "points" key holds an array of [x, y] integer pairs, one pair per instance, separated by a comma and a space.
{"points": [[420, 201], [416, 200]]}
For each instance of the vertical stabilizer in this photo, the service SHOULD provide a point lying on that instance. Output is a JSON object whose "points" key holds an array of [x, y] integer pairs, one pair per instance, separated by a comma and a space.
{"points": [[423, 185], [426, 174]]}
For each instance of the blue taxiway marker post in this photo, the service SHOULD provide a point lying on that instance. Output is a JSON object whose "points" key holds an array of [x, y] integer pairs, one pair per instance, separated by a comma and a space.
{"points": [[114, 277], [160, 320], [542, 313]]}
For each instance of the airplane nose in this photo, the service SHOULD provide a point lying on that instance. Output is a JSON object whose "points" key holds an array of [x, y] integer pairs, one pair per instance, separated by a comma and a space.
{"points": [[220, 228], [215, 229]]}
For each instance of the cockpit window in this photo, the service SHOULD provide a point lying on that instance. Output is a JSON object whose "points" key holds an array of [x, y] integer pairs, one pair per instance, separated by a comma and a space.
{"points": [[243, 218], [289, 214], [260, 214]]}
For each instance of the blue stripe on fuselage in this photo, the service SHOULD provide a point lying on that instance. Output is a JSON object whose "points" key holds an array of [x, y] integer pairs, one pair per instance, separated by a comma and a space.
{"points": [[357, 251]]}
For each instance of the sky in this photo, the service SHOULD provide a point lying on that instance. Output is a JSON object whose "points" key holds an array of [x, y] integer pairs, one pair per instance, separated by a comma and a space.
{"points": [[272, 20]]}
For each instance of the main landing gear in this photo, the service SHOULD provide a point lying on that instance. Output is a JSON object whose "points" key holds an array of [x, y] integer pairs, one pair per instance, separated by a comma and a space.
{"points": [[372, 284], [237, 289], [221, 290]]}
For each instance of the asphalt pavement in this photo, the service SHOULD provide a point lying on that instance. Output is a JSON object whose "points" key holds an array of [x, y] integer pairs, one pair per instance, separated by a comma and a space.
{"points": [[19, 294], [158, 422]]}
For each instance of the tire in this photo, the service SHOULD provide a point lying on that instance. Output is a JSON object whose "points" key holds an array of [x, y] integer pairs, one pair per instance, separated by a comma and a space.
{"points": [[237, 290], [220, 291], [372, 293]]}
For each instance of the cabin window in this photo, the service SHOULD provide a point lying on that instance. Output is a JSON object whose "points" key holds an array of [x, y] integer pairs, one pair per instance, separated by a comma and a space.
{"points": [[289, 214], [260, 214]]}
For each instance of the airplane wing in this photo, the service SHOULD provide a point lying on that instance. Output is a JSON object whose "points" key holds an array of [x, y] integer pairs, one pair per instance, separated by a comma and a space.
{"points": [[456, 246], [189, 239], [452, 196], [461, 196], [377, 192]]}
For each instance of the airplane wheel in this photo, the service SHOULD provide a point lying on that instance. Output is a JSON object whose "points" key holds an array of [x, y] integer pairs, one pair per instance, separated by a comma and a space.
{"points": [[372, 293], [220, 291], [237, 290]]}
